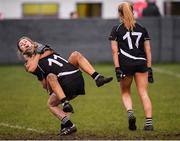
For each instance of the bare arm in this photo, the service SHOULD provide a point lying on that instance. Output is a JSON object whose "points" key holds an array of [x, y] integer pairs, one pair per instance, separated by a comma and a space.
{"points": [[32, 62], [114, 47], [147, 48]]}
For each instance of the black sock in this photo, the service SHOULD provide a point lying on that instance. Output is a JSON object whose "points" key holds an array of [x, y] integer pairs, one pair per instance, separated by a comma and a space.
{"points": [[95, 75], [63, 100], [62, 126], [148, 122], [130, 114], [66, 122]]}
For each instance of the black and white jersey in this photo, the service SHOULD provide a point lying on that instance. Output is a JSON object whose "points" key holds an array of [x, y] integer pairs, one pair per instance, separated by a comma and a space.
{"points": [[39, 74], [130, 44], [57, 65]]}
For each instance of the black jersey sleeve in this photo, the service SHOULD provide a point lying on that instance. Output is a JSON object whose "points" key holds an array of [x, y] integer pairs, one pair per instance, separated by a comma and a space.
{"points": [[146, 35], [113, 35], [38, 73]]}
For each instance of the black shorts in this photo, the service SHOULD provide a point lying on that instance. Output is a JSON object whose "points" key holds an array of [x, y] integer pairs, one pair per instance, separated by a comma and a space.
{"points": [[74, 88], [130, 70]]}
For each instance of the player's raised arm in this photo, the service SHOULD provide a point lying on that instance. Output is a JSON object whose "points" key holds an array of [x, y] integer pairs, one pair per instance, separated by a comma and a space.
{"points": [[32, 63]]}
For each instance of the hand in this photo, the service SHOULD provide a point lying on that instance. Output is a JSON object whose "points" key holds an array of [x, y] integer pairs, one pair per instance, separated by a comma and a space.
{"points": [[28, 53], [41, 48], [119, 74], [150, 75]]}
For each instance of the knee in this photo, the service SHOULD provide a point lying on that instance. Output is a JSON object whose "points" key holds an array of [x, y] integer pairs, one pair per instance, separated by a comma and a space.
{"points": [[76, 54], [143, 94], [50, 103], [51, 77], [142, 90], [125, 89]]}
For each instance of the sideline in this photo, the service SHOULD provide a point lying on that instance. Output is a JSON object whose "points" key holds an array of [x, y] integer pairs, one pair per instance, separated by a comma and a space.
{"points": [[20, 127], [158, 70]]}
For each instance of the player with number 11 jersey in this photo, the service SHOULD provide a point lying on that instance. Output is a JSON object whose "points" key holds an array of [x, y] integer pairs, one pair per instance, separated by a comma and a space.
{"points": [[57, 65]]}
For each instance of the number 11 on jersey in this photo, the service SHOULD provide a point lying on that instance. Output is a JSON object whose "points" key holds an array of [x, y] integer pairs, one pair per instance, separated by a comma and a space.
{"points": [[54, 60]]}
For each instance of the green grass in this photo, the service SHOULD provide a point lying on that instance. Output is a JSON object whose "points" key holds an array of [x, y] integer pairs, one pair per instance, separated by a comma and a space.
{"points": [[98, 115]]}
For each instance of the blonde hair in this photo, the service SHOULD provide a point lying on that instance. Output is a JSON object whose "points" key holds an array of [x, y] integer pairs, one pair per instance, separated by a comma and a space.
{"points": [[125, 10]]}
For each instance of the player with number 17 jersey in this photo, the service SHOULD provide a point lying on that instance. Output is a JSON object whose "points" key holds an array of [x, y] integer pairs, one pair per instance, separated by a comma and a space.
{"points": [[131, 52], [130, 44]]}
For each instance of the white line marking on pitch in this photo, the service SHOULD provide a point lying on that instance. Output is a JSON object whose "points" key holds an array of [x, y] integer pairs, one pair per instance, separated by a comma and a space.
{"points": [[167, 72], [20, 127]]}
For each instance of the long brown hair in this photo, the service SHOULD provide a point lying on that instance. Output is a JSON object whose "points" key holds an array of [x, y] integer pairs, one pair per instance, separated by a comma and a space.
{"points": [[125, 10]]}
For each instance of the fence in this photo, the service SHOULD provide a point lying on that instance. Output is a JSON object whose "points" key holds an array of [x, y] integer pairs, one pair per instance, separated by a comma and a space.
{"points": [[89, 36]]}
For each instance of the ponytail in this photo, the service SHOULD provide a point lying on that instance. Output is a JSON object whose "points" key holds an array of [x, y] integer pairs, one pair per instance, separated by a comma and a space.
{"points": [[126, 13]]}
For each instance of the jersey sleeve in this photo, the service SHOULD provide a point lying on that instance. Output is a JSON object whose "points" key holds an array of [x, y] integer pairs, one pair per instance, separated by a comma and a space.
{"points": [[146, 35], [113, 34], [39, 74]]}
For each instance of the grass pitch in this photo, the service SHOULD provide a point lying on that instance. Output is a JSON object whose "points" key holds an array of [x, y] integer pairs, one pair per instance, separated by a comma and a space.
{"points": [[98, 115]]}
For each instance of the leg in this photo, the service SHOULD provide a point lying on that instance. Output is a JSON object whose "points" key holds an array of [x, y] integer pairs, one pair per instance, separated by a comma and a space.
{"points": [[55, 86], [78, 60], [67, 127], [52, 81], [53, 103], [125, 85], [142, 86]]}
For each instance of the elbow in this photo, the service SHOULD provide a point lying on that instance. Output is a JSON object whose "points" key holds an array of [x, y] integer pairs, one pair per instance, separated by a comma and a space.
{"points": [[114, 53], [114, 50]]}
